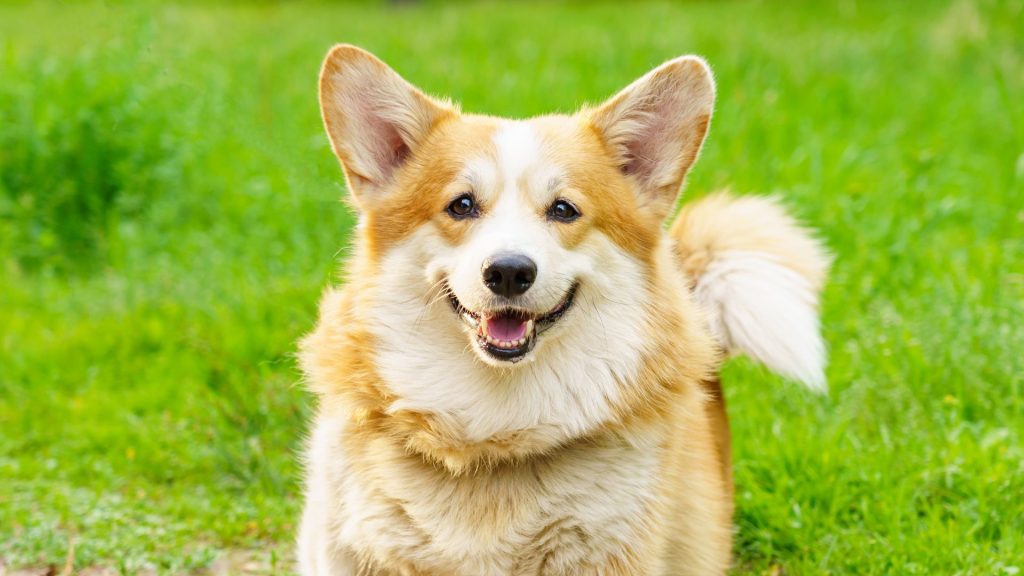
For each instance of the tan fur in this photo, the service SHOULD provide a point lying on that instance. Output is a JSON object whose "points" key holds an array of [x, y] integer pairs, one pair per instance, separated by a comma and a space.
{"points": [[758, 274], [722, 222], [684, 529], [394, 490]]}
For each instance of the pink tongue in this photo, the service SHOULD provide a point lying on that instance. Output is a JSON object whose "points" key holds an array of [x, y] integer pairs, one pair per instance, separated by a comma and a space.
{"points": [[506, 328]]}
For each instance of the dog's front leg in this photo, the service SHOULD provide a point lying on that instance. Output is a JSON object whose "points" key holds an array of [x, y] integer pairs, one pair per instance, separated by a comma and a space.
{"points": [[318, 554]]}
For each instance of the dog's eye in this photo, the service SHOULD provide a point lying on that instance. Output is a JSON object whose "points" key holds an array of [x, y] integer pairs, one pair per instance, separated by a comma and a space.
{"points": [[463, 207], [563, 211]]}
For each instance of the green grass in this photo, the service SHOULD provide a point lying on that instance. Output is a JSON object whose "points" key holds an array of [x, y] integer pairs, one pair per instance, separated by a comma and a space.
{"points": [[169, 215]]}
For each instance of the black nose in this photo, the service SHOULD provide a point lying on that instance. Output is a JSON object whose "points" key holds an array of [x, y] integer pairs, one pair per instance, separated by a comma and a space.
{"points": [[509, 274]]}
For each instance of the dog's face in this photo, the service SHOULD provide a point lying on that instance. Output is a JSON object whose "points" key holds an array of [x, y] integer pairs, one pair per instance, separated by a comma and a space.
{"points": [[516, 233], [511, 254]]}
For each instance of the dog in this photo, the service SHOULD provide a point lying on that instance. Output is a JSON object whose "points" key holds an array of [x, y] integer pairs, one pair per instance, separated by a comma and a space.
{"points": [[519, 374]]}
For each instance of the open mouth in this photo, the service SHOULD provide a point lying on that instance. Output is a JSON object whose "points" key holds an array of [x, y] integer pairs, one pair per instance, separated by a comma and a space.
{"points": [[509, 333]]}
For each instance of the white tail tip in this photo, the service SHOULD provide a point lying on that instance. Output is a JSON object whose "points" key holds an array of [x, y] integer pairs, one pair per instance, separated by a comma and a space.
{"points": [[768, 311]]}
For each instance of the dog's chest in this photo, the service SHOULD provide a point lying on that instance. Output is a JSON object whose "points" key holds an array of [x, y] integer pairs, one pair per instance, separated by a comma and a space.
{"points": [[563, 512]]}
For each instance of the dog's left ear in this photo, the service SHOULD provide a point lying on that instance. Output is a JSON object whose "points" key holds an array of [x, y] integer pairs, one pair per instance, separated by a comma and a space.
{"points": [[655, 128]]}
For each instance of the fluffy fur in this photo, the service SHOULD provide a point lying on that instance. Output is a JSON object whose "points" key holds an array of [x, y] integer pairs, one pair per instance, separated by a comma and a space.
{"points": [[759, 274], [602, 448]]}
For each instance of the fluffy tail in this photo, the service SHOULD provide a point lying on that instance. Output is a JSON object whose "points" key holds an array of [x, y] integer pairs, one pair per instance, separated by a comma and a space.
{"points": [[758, 273]]}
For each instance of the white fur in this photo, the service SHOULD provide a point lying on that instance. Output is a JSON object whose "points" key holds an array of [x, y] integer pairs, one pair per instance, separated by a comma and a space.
{"points": [[518, 150], [601, 488], [565, 388], [326, 506], [513, 187], [768, 311]]}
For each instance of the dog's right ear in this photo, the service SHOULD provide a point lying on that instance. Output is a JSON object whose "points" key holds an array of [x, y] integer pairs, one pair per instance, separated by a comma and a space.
{"points": [[374, 118], [655, 127]]}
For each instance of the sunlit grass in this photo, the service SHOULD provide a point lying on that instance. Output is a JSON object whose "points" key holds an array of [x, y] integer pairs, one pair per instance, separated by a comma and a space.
{"points": [[169, 216]]}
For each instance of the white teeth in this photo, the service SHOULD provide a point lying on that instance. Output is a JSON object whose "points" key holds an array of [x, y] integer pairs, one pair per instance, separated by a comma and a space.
{"points": [[506, 344]]}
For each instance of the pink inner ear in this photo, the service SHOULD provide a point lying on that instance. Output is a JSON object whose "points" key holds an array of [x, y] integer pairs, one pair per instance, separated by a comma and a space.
{"points": [[656, 139], [641, 154], [399, 150], [389, 150]]}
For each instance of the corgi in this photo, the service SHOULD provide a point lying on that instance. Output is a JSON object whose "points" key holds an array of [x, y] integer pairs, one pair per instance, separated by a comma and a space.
{"points": [[518, 375]]}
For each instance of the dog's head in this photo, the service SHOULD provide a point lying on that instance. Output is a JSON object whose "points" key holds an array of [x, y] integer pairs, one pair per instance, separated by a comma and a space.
{"points": [[510, 262]]}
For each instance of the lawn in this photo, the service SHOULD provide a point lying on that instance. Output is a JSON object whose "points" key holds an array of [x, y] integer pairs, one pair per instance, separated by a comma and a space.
{"points": [[169, 214]]}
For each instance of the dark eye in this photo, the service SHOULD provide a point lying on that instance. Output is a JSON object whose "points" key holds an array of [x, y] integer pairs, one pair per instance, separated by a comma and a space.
{"points": [[462, 207], [563, 211]]}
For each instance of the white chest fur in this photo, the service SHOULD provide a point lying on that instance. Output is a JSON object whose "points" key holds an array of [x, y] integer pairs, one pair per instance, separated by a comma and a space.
{"points": [[582, 505]]}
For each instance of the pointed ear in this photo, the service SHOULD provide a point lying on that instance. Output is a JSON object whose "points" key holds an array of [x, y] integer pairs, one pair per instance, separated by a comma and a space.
{"points": [[374, 118], [656, 125]]}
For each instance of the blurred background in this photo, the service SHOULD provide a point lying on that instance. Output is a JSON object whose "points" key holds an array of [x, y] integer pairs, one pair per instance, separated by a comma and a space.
{"points": [[170, 213]]}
